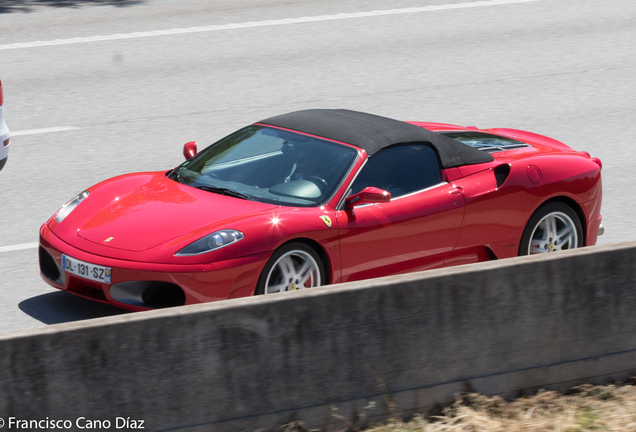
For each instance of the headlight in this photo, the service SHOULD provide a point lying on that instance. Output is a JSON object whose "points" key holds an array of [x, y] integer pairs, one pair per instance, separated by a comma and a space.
{"points": [[211, 242], [70, 206]]}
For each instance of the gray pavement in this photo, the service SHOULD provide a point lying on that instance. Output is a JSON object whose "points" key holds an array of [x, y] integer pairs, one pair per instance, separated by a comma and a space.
{"points": [[566, 69]]}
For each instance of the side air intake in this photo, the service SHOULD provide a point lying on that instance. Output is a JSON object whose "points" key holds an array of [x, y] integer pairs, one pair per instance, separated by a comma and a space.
{"points": [[501, 174]]}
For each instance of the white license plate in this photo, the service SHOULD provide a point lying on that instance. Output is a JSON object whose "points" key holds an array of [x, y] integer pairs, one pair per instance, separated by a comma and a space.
{"points": [[86, 270]]}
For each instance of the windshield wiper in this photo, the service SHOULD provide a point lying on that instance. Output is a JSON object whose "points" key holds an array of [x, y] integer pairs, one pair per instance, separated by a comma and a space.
{"points": [[224, 191], [175, 175], [178, 176]]}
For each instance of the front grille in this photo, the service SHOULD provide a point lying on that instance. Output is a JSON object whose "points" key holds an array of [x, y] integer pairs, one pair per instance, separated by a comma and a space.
{"points": [[85, 290], [163, 294], [48, 267], [148, 294]]}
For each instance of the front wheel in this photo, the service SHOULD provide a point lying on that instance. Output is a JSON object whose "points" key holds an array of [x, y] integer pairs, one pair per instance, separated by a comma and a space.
{"points": [[292, 267], [553, 227]]}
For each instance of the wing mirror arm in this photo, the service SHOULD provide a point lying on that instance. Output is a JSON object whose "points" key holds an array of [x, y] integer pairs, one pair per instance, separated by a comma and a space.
{"points": [[368, 195], [190, 149]]}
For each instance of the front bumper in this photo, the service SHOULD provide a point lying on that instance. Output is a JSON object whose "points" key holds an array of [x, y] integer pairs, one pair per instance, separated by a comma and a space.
{"points": [[181, 284]]}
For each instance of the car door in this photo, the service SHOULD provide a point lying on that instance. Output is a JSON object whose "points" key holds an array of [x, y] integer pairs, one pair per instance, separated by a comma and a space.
{"points": [[415, 230]]}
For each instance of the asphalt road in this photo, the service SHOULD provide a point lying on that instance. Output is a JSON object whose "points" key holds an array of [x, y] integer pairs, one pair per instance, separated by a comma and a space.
{"points": [[85, 108]]}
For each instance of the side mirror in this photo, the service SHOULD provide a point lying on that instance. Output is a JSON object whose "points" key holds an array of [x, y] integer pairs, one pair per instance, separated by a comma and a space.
{"points": [[190, 149], [368, 195]]}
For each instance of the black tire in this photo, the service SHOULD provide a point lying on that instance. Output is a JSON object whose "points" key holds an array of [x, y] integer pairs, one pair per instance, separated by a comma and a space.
{"points": [[562, 215], [296, 252]]}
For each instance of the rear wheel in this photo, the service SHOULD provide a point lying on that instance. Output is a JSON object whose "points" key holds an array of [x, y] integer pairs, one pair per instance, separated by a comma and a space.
{"points": [[553, 227], [292, 267]]}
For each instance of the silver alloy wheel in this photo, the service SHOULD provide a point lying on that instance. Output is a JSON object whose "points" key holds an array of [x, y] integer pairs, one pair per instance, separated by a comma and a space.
{"points": [[294, 270], [555, 231]]}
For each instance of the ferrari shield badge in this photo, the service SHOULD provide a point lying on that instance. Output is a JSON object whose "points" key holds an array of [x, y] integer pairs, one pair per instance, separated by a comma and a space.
{"points": [[108, 239], [327, 220]]}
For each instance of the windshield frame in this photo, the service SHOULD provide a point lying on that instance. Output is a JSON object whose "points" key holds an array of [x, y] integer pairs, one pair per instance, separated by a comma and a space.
{"points": [[356, 153]]}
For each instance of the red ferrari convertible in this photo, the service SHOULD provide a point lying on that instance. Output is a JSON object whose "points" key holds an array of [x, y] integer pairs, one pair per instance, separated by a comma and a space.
{"points": [[319, 197]]}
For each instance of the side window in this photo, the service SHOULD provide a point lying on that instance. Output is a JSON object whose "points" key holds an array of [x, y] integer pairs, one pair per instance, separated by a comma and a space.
{"points": [[400, 170]]}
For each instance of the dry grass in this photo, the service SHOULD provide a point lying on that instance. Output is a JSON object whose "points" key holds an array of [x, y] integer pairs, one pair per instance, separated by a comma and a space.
{"points": [[584, 408]]}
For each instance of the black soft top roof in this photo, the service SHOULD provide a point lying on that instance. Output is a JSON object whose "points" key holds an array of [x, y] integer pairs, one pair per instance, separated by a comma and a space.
{"points": [[373, 133]]}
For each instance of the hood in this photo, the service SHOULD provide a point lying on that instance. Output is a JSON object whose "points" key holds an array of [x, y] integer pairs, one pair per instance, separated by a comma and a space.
{"points": [[153, 212]]}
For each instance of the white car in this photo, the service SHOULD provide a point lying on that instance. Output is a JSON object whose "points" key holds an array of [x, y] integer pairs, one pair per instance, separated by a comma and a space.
{"points": [[4, 134]]}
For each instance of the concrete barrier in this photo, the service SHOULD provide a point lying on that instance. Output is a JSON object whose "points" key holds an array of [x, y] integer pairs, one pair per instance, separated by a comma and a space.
{"points": [[520, 324]]}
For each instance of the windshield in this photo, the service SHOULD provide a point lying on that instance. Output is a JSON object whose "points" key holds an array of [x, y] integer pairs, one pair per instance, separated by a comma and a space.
{"points": [[269, 165]]}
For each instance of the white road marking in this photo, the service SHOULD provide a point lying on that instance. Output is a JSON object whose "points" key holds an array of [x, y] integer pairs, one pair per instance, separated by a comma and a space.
{"points": [[286, 21], [18, 247], [44, 130]]}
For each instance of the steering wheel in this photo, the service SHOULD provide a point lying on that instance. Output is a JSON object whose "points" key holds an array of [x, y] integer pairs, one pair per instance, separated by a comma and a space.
{"points": [[320, 182]]}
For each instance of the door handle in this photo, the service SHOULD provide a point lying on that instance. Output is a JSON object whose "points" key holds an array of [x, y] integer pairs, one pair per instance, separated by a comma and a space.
{"points": [[457, 190]]}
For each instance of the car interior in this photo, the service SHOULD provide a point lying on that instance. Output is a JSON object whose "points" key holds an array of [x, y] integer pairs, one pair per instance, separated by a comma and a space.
{"points": [[400, 170]]}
